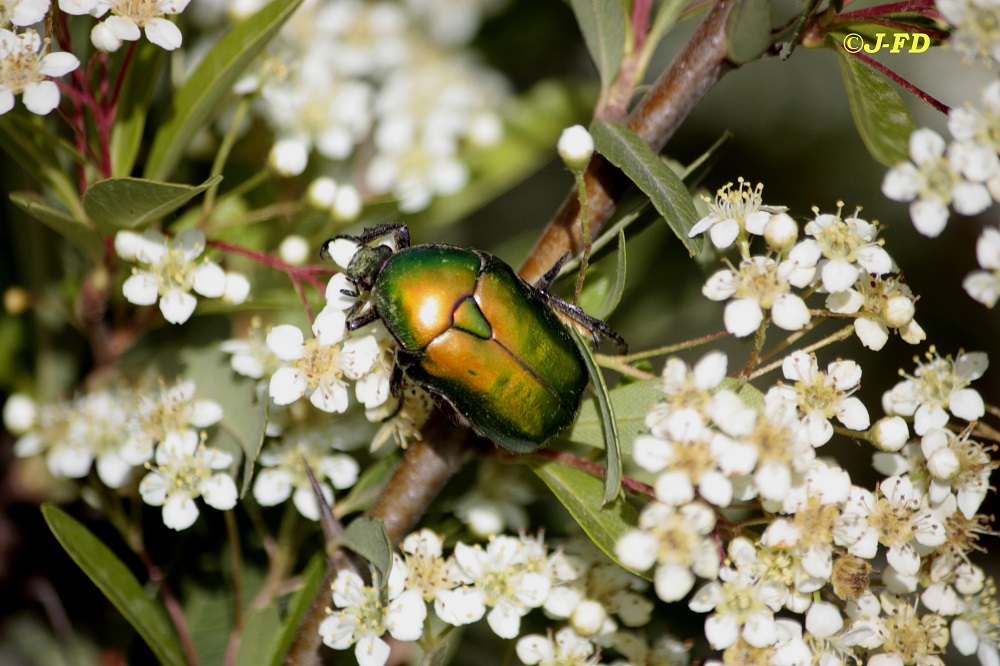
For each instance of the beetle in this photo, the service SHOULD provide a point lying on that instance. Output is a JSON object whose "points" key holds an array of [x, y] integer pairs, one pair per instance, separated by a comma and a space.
{"points": [[474, 334]]}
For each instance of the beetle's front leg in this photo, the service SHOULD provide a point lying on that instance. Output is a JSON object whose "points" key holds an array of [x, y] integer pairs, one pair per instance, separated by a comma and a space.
{"points": [[550, 276], [399, 232], [357, 319]]}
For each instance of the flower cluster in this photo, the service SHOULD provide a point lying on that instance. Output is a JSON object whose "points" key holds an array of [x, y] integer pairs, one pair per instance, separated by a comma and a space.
{"points": [[707, 449], [389, 76], [322, 366], [117, 431], [502, 582], [964, 174], [840, 256], [170, 271]]}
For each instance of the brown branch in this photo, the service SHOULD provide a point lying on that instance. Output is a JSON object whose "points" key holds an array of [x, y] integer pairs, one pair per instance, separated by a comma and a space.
{"points": [[657, 116]]}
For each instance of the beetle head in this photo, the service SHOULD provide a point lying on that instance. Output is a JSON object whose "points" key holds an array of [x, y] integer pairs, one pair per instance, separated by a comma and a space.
{"points": [[367, 264]]}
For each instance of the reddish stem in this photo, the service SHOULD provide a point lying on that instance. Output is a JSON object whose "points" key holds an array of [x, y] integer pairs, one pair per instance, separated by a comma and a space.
{"points": [[893, 76], [628, 483], [917, 6], [640, 22]]}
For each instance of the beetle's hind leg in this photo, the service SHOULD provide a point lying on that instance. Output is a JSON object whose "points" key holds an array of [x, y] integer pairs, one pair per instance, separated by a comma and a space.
{"points": [[593, 324], [550, 276]]}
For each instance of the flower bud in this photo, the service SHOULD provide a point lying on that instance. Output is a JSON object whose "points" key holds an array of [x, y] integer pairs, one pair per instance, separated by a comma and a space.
{"points": [[322, 193], [347, 205], [899, 311], [288, 158], [889, 433], [588, 617], [19, 413], [294, 250], [781, 232], [576, 147]]}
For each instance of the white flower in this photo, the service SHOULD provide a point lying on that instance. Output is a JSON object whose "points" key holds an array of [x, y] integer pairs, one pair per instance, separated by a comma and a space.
{"points": [[759, 284], [170, 271], [566, 648], [127, 18], [20, 413], [360, 618], [959, 465], [736, 212], [938, 385], [23, 12], [744, 603], [23, 71], [984, 285], [186, 469], [821, 396], [895, 517], [501, 580], [678, 541], [933, 181], [496, 502], [164, 410], [880, 304], [283, 473], [975, 34], [575, 147], [321, 365], [848, 246]]}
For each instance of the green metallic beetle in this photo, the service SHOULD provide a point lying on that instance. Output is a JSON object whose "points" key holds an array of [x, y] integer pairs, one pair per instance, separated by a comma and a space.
{"points": [[474, 334]]}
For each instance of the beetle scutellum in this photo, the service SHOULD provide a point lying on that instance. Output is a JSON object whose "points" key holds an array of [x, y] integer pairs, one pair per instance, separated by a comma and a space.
{"points": [[474, 334]]}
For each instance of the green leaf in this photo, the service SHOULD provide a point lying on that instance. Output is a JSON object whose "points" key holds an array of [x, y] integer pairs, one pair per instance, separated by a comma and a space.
{"points": [[133, 105], [261, 630], [133, 203], [612, 446], [311, 579], [697, 170], [749, 394], [748, 30], [631, 403], [80, 234], [580, 493], [364, 492], [631, 154], [602, 23], [368, 538], [37, 151], [118, 584], [614, 295], [878, 110], [212, 80]]}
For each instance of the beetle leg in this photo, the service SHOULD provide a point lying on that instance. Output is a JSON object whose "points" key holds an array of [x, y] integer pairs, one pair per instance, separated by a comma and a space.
{"points": [[550, 276], [399, 232], [593, 324], [357, 319]]}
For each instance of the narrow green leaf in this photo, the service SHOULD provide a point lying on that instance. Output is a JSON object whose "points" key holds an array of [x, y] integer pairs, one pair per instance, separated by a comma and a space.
{"points": [[748, 30], [133, 105], [364, 492], [117, 583], [212, 80], [607, 235], [878, 110], [612, 445], [602, 23], [614, 295], [38, 152], [261, 630], [580, 493], [631, 403], [133, 203], [628, 152], [70, 228], [368, 538], [311, 579]]}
